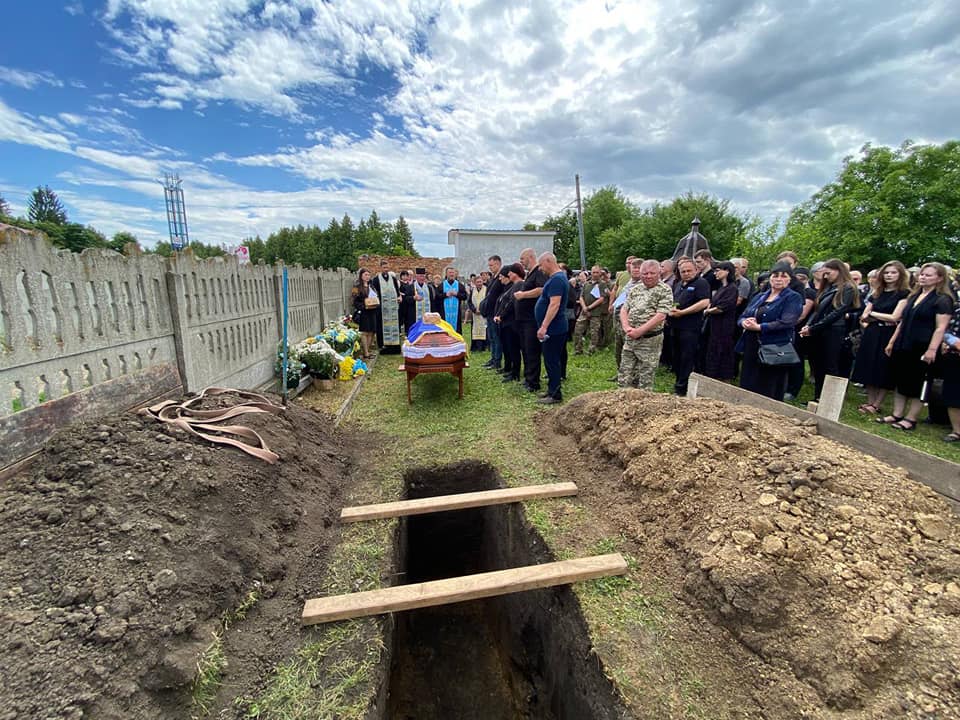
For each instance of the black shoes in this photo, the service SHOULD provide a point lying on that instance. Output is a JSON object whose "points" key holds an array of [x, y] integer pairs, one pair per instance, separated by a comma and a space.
{"points": [[510, 378], [548, 399]]}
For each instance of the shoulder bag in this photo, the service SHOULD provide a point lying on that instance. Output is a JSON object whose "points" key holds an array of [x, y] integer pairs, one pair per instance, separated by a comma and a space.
{"points": [[778, 354]]}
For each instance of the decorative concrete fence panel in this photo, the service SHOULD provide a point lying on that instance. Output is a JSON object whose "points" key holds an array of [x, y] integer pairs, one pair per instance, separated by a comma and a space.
{"points": [[335, 295], [304, 310], [226, 317], [70, 321]]}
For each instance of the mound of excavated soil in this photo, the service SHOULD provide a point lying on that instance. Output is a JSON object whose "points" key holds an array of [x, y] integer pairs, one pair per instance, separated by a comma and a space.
{"points": [[837, 570], [124, 545]]}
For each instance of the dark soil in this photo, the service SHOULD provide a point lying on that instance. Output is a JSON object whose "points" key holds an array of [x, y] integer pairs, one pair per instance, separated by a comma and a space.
{"points": [[127, 542], [818, 581]]}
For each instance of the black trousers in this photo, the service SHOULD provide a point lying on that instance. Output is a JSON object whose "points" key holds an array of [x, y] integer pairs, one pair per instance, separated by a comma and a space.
{"points": [[511, 350], [531, 351], [685, 345], [824, 350]]}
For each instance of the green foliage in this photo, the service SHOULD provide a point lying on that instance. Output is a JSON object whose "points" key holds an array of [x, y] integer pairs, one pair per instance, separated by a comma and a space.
{"points": [[606, 209], [566, 242], [200, 250], [45, 207], [121, 240], [5, 207], [656, 232], [400, 238], [886, 204]]}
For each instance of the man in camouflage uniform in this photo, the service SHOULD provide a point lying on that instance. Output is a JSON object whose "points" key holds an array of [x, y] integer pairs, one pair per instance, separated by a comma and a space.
{"points": [[593, 302], [642, 318]]}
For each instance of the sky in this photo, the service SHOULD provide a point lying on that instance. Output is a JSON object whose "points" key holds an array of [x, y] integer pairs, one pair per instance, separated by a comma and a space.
{"points": [[455, 115]]}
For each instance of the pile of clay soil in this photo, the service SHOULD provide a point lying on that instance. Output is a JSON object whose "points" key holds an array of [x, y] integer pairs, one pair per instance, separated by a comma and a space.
{"points": [[837, 570], [127, 542]]}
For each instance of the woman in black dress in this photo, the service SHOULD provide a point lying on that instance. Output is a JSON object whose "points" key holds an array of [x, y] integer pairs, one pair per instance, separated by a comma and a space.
{"points": [[722, 321], [951, 376], [827, 325], [916, 341], [879, 319], [364, 312]]}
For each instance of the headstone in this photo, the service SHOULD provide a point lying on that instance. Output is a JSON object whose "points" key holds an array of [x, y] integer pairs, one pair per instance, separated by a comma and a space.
{"points": [[831, 397]]}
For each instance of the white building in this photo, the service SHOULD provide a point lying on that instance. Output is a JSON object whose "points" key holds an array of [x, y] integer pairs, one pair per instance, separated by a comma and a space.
{"points": [[473, 247]]}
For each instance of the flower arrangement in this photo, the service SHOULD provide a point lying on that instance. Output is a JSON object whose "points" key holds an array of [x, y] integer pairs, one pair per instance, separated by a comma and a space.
{"points": [[342, 338], [294, 364], [319, 358]]}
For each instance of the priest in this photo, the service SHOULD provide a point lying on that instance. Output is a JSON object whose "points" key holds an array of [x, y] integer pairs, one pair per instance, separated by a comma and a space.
{"points": [[387, 287], [423, 292], [453, 295]]}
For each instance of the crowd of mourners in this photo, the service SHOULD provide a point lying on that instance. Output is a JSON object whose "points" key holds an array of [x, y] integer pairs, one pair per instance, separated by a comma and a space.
{"points": [[894, 331]]}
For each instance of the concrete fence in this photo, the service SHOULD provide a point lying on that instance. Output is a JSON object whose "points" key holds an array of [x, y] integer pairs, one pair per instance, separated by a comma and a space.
{"points": [[71, 321]]}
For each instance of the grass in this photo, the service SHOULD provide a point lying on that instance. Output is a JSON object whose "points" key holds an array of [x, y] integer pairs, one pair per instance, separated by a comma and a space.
{"points": [[334, 674], [210, 666]]}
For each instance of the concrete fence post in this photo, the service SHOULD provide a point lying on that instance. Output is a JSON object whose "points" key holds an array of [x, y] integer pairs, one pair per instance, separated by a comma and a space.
{"points": [[177, 292]]}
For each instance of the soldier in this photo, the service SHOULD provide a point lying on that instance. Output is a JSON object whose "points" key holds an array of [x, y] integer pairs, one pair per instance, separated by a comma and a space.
{"points": [[593, 302], [642, 318]]}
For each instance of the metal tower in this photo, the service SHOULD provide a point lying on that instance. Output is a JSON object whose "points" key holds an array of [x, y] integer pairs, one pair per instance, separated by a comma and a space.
{"points": [[176, 211]]}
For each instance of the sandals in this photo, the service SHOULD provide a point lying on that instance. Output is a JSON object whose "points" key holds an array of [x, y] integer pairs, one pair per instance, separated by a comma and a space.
{"points": [[952, 437], [888, 419], [905, 424], [868, 409]]}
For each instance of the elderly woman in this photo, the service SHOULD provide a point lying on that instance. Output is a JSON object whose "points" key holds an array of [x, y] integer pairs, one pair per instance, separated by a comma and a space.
{"points": [[769, 320], [916, 341]]}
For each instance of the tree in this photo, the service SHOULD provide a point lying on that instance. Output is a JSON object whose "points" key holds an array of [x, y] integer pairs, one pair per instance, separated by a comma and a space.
{"points": [[401, 239], [5, 207], [655, 232], [887, 204], [605, 209], [566, 241], [45, 206], [121, 240]]}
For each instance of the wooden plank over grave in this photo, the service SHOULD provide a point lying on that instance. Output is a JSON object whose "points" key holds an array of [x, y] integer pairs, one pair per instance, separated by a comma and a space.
{"points": [[460, 589], [460, 501]]}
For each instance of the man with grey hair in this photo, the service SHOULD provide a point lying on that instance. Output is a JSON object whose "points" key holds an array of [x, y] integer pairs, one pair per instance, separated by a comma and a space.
{"points": [[642, 317], [552, 324]]}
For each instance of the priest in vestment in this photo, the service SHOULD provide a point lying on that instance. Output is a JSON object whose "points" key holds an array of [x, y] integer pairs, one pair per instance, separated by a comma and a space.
{"points": [[387, 287], [423, 294], [452, 294]]}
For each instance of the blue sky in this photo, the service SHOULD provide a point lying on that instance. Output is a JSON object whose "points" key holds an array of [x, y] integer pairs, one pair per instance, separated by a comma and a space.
{"points": [[472, 114]]}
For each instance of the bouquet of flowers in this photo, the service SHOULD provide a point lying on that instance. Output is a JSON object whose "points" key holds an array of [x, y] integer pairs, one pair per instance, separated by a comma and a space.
{"points": [[320, 359], [345, 340], [294, 364]]}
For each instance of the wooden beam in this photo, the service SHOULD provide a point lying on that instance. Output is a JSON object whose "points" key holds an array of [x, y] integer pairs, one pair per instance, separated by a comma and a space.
{"points": [[459, 501], [460, 589]]}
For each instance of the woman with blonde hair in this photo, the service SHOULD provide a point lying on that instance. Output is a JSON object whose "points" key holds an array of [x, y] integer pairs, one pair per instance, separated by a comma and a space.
{"points": [[884, 307], [916, 341], [827, 325]]}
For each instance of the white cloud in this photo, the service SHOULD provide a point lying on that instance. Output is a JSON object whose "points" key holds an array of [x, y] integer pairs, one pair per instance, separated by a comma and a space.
{"points": [[27, 79]]}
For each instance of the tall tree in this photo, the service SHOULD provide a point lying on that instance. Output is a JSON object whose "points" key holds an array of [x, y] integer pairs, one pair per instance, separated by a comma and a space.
{"points": [[121, 240], [5, 207], [605, 209], [401, 238], [566, 242], [655, 232], [45, 206], [886, 204]]}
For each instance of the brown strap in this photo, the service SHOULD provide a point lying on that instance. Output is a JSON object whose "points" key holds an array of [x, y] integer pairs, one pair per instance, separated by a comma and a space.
{"points": [[182, 415]]}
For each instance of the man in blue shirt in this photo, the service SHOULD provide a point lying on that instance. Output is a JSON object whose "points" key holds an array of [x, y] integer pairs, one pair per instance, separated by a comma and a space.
{"points": [[552, 323]]}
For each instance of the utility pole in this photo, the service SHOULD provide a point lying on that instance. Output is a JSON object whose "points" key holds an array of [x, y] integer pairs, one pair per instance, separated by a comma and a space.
{"points": [[583, 247]]}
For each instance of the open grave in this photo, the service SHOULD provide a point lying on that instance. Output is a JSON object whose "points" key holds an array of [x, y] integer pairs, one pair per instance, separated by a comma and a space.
{"points": [[521, 655]]}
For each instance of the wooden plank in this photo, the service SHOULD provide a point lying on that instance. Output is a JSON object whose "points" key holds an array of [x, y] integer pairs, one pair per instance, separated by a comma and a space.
{"points": [[25, 432], [460, 589], [459, 501]]}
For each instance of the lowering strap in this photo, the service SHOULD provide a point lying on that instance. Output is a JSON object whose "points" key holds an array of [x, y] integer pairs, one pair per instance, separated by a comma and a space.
{"points": [[182, 415]]}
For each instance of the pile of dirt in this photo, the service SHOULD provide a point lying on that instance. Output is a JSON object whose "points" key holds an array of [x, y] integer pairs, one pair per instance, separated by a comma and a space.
{"points": [[127, 542], [836, 569]]}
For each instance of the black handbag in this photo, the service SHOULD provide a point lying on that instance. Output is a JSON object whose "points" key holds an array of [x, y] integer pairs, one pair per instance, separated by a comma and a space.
{"points": [[778, 355]]}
